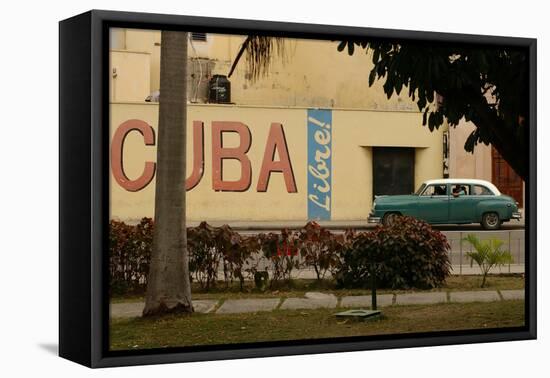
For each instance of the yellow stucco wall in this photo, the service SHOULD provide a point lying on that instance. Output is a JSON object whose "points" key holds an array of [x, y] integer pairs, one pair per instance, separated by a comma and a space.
{"points": [[354, 134], [312, 73], [464, 164], [129, 74], [148, 41]]}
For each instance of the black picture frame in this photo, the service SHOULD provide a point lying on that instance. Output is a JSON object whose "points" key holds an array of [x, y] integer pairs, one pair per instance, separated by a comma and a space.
{"points": [[84, 194]]}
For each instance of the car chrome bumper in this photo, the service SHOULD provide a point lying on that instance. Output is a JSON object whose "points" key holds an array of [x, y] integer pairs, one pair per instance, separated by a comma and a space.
{"points": [[516, 215], [373, 219]]}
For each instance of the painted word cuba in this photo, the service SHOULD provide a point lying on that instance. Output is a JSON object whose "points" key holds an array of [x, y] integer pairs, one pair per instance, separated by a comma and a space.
{"points": [[276, 159], [276, 145]]}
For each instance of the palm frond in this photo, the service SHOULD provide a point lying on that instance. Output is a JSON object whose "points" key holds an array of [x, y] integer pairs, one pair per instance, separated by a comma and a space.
{"points": [[487, 254], [260, 52]]}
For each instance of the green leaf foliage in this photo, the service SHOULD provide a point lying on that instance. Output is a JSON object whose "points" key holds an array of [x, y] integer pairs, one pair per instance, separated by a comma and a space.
{"points": [[487, 254], [486, 85]]}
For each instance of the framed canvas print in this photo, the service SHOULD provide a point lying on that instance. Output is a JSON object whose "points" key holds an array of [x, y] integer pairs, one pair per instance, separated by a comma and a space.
{"points": [[234, 188]]}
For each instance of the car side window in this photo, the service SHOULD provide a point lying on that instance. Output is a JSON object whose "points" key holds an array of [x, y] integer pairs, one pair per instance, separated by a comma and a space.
{"points": [[460, 190], [435, 190], [480, 190]]}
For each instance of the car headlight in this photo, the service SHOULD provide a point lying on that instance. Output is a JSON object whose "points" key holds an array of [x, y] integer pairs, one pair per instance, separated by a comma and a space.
{"points": [[374, 205]]}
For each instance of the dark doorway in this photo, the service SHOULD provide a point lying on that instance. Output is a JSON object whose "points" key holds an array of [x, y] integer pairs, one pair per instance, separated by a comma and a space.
{"points": [[505, 178], [393, 170]]}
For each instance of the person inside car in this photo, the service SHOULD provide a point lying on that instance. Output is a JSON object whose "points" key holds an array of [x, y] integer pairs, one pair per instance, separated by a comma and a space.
{"points": [[439, 190], [458, 190]]}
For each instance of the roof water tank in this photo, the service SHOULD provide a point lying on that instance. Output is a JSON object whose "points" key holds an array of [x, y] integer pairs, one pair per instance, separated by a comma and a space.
{"points": [[219, 90]]}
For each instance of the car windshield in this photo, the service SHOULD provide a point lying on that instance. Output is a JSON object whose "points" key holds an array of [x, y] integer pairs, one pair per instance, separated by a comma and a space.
{"points": [[417, 193]]}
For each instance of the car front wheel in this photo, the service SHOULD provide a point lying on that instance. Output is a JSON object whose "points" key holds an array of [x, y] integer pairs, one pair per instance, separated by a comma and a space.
{"points": [[389, 218], [490, 221]]}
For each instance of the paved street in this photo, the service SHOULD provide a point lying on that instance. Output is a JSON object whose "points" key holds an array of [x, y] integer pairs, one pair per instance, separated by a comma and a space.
{"points": [[314, 300]]}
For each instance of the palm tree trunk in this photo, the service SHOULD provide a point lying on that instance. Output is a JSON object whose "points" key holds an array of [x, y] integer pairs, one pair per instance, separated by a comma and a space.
{"points": [[168, 286], [484, 279]]}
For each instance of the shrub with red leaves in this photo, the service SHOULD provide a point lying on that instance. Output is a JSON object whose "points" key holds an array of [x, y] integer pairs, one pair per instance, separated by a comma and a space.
{"points": [[281, 250], [409, 253]]}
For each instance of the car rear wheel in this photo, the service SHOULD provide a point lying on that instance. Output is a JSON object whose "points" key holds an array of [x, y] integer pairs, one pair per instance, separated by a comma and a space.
{"points": [[490, 221], [389, 218]]}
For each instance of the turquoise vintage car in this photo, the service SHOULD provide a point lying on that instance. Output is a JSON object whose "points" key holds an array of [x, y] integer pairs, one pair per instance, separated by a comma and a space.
{"points": [[449, 201]]}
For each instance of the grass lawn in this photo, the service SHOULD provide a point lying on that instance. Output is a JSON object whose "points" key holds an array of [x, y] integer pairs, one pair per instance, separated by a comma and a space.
{"points": [[208, 329], [297, 288]]}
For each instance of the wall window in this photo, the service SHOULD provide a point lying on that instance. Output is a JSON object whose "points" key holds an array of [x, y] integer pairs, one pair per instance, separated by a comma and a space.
{"points": [[393, 170]]}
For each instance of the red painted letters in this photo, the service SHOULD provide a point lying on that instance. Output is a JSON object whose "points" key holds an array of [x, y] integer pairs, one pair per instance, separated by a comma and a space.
{"points": [[220, 153], [198, 156], [276, 143], [117, 165]]}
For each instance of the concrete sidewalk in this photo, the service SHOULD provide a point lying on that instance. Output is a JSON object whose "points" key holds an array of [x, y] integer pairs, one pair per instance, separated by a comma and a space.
{"points": [[314, 300]]}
